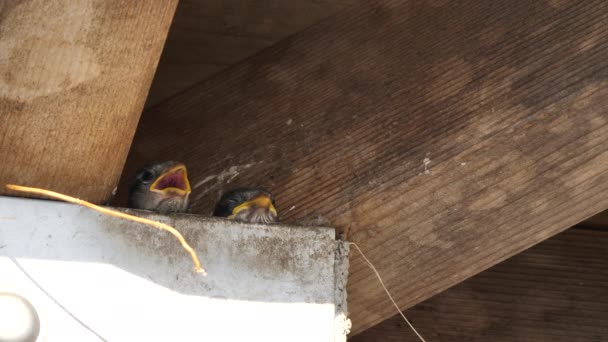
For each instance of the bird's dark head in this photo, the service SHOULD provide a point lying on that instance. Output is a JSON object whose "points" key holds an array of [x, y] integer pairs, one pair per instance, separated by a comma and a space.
{"points": [[162, 187], [247, 205]]}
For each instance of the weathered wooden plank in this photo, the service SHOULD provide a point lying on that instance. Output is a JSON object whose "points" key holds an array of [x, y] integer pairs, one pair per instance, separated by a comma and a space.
{"points": [[555, 291], [599, 221], [442, 137], [73, 81], [209, 35]]}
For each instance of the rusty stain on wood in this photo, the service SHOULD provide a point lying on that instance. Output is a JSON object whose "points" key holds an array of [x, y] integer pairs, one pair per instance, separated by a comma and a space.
{"points": [[510, 113], [73, 80]]}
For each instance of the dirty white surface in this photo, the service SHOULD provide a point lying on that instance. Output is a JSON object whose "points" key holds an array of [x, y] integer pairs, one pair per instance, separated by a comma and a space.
{"points": [[92, 277]]}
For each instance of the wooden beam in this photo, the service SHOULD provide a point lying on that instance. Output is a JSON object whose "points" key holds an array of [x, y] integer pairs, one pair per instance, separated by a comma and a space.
{"points": [[599, 221], [441, 136], [73, 81], [210, 35], [555, 291]]}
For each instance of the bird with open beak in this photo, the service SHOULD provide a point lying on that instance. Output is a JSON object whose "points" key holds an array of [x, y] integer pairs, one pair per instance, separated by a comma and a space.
{"points": [[161, 187], [250, 205]]}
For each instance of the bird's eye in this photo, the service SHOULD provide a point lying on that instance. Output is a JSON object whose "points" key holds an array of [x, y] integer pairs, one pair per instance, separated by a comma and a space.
{"points": [[147, 176]]}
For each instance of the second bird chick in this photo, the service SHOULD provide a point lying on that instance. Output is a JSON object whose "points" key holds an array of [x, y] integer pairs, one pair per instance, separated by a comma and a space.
{"points": [[247, 205]]}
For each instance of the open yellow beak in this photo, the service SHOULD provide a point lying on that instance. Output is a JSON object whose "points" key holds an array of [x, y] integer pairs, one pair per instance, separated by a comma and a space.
{"points": [[174, 181], [261, 201]]}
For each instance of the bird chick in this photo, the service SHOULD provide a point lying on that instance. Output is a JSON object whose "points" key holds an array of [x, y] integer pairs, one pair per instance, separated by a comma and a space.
{"points": [[247, 205], [161, 187]]}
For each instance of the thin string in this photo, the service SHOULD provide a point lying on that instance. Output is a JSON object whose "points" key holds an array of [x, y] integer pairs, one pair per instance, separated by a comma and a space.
{"points": [[386, 290]]}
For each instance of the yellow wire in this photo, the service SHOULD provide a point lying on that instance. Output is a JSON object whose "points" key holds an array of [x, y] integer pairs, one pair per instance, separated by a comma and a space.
{"points": [[159, 225]]}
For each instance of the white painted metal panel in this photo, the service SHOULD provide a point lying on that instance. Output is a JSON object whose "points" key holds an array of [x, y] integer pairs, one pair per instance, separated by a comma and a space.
{"points": [[93, 277]]}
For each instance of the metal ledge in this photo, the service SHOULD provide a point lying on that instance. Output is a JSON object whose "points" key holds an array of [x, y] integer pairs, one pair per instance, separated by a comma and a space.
{"points": [[94, 277]]}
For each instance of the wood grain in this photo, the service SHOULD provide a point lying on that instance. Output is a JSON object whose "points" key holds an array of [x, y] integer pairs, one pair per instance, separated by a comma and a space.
{"points": [[555, 291], [599, 221], [442, 137], [73, 80], [209, 35]]}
